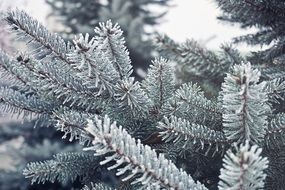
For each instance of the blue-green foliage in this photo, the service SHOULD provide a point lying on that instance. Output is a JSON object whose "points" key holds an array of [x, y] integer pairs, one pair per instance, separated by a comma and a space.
{"points": [[97, 186], [134, 17], [197, 63], [245, 105], [134, 160], [275, 132], [63, 167], [180, 130], [159, 82], [189, 102], [243, 168], [30, 150], [267, 17], [86, 90]]}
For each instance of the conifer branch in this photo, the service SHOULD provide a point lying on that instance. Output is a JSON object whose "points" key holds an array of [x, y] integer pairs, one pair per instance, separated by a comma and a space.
{"points": [[63, 167], [250, 7], [200, 60], [74, 85], [12, 68], [230, 56], [28, 27], [48, 75], [32, 31], [243, 168], [273, 72], [190, 103], [159, 82], [92, 64], [67, 88], [245, 105], [131, 97], [197, 60], [16, 102], [50, 80], [275, 90], [146, 168], [167, 46], [275, 134], [112, 43], [71, 123], [267, 16], [179, 130], [97, 186]]}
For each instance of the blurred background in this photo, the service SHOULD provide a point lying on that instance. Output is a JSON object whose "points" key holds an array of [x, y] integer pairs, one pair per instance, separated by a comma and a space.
{"points": [[184, 19], [140, 20]]}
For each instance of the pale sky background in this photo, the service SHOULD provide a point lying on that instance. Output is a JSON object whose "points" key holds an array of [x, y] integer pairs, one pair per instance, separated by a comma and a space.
{"points": [[197, 19], [188, 19]]}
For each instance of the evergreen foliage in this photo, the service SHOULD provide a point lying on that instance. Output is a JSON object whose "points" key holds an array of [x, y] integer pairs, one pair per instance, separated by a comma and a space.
{"points": [[154, 134], [64, 167], [134, 16], [140, 163], [97, 186], [245, 105], [159, 83], [36, 144], [20, 142], [243, 169], [196, 63], [267, 16], [177, 130], [275, 174], [275, 132]]}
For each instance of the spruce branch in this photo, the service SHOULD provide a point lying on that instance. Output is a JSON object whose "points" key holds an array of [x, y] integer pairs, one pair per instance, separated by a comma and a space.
{"points": [[275, 171], [16, 102], [46, 79], [71, 123], [75, 85], [92, 64], [267, 16], [250, 7], [62, 80], [258, 37], [50, 81], [273, 54], [63, 167], [12, 69], [200, 60], [134, 160], [32, 31], [230, 56], [111, 42], [243, 168], [179, 130], [190, 103], [51, 74], [273, 72], [167, 46], [131, 97], [245, 105], [97, 186], [62, 83], [275, 134], [66, 55], [159, 82], [197, 60], [275, 90]]}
